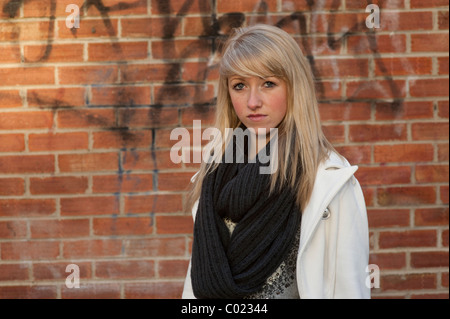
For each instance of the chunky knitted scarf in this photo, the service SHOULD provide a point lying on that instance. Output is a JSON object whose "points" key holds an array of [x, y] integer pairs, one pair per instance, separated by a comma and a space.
{"points": [[225, 266]]}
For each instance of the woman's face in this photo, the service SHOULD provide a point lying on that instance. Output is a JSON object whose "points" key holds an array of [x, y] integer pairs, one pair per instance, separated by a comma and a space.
{"points": [[258, 102]]}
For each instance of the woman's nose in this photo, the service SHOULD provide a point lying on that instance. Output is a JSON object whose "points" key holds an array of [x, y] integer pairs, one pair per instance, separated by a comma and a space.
{"points": [[254, 99]]}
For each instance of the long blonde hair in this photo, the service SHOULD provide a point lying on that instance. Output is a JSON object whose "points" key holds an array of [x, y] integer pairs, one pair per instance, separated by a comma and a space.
{"points": [[264, 51]]}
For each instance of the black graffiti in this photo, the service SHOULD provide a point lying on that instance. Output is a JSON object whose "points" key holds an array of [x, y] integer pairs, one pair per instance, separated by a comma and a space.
{"points": [[215, 30]]}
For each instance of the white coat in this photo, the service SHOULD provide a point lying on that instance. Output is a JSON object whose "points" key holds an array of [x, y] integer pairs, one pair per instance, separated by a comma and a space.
{"points": [[333, 250]]}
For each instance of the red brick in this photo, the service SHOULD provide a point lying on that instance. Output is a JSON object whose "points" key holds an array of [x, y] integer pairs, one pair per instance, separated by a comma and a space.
{"points": [[174, 181], [380, 89], [36, 9], [444, 194], [325, 68], [72, 52], [62, 97], [403, 153], [181, 49], [428, 4], [358, 154], [149, 73], [155, 246], [125, 269], [432, 173], [407, 196], [10, 54], [199, 72], [27, 207], [406, 110], [429, 42], [58, 141], [10, 98], [166, 27], [123, 139], [148, 117], [329, 90], [12, 142], [58, 185], [121, 96], [82, 118], [443, 20], [443, 109], [443, 65], [403, 66], [27, 164], [344, 111], [180, 6], [334, 133], [119, 226], [338, 22], [26, 30], [124, 51], [26, 120], [128, 183], [408, 282], [9, 272], [402, 21], [16, 229], [173, 268], [380, 218], [11, 186], [390, 4], [120, 8], [429, 87], [153, 204], [431, 216], [148, 160], [174, 225], [412, 238], [29, 250], [205, 114], [27, 76], [28, 292], [97, 248], [154, 290], [88, 162], [443, 152], [429, 259], [384, 175], [389, 261], [430, 131], [104, 74], [82, 206], [377, 132], [360, 44], [66, 228], [57, 270], [95, 28]]}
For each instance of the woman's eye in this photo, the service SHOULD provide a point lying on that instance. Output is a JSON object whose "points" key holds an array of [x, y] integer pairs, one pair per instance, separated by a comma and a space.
{"points": [[238, 87], [269, 84]]}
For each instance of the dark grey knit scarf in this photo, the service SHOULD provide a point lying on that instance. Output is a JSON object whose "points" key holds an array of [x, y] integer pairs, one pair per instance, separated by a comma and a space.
{"points": [[225, 266]]}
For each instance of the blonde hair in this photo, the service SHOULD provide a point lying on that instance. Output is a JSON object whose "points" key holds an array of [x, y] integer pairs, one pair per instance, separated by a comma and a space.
{"points": [[265, 51]]}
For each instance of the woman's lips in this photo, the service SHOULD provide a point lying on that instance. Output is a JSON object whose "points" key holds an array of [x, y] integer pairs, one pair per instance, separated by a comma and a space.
{"points": [[257, 117]]}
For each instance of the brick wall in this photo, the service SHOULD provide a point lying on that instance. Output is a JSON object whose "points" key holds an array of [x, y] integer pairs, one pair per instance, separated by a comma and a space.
{"points": [[86, 116]]}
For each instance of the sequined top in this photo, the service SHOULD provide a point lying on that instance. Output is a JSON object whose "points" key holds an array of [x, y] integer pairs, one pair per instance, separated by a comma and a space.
{"points": [[282, 284]]}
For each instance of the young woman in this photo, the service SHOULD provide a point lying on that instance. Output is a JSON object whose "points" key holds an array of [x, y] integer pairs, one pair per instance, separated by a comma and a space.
{"points": [[300, 232]]}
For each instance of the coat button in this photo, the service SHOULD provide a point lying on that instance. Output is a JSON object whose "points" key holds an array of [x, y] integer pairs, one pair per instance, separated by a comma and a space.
{"points": [[326, 214]]}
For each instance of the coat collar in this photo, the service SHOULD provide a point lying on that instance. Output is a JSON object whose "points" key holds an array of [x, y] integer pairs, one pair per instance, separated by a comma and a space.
{"points": [[331, 176]]}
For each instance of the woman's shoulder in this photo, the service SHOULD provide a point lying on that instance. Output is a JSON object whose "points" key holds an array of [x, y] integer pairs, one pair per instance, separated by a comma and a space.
{"points": [[334, 161]]}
